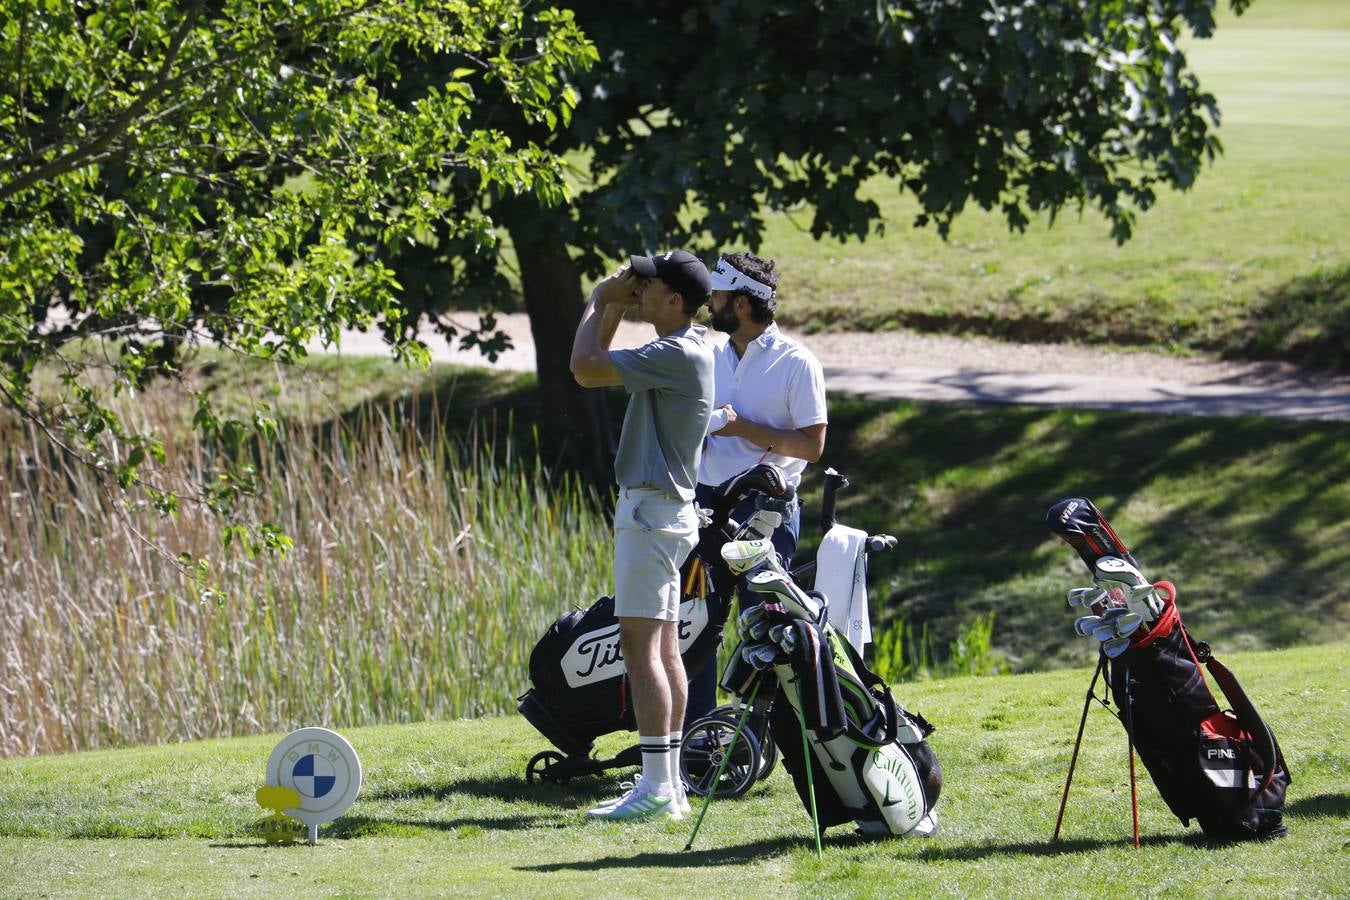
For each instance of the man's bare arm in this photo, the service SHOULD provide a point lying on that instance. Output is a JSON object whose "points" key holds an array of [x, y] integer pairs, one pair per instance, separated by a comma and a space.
{"points": [[591, 365], [806, 443]]}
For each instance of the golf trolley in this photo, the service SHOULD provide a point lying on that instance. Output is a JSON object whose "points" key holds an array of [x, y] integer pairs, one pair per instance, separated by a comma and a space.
{"points": [[580, 689]]}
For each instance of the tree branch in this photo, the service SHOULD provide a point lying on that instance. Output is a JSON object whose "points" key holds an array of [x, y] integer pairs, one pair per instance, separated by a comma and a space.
{"points": [[19, 74], [74, 158], [69, 161]]}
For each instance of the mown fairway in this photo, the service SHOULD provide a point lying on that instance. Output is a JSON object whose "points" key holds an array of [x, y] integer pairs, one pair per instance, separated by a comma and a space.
{"points": [[1252, 261], [445, 811]]}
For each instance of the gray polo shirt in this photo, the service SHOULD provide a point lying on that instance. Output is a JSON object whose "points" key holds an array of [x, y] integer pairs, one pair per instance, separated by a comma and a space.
{"points": [[671, 383]]}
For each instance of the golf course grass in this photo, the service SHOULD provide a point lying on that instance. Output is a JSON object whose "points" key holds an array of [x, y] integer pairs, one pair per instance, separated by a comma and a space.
{"points": [[445, 810]]}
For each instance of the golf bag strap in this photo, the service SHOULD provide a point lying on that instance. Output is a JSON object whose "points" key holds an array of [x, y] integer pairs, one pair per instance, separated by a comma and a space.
{"points": [[881, 692], [1263, 741]]}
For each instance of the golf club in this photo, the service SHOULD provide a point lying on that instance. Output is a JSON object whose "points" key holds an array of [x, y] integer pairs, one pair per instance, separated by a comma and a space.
{"points": [[1128, 624], [1115, 646], [748, 619], [1122, 625], [764, 522], [1138, 592], [798, 602], [1085, 597], [1104, 630], [1147, 594]]}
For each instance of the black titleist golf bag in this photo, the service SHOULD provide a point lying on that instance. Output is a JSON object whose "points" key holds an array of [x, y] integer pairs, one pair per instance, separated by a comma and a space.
{"points": [[868, 757], [1221, 768], [579, 684]]}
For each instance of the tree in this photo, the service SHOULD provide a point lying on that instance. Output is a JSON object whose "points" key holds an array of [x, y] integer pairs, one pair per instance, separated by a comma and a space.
{"points": [[702, 116], [173, 170]]}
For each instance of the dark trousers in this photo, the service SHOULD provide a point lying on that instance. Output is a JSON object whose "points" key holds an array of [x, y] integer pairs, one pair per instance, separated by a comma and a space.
{"points": [[703, 684]]}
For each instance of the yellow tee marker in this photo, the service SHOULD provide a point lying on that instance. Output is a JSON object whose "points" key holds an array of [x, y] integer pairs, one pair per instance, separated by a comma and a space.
{"points": [[280, 828]]}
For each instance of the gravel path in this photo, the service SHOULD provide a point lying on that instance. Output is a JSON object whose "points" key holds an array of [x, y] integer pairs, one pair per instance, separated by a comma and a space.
{"points": [[945, 369]]}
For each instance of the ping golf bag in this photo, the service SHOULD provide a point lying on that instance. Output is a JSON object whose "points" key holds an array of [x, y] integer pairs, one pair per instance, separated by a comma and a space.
{"points": [[868, 758], [579, 684], [1221, 768]]}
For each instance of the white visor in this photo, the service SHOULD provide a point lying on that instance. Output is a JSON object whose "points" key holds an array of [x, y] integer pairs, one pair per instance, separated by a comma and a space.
{"points": [[726, 277]]}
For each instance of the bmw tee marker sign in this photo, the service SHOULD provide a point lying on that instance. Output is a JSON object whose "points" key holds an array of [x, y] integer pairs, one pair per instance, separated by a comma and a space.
{"points": [[322, 768]]}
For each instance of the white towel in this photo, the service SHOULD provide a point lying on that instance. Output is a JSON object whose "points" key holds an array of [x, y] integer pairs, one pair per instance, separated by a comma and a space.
{"points": [[841, 575]]}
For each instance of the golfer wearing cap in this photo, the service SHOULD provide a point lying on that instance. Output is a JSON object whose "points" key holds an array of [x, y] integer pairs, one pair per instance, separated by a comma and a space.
{"points": [[770, 407], [670, 383]]}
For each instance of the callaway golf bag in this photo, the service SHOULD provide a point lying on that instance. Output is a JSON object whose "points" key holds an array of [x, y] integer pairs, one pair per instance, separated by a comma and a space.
{"points": [[1221, 768], [579, 684], [865, 757]]}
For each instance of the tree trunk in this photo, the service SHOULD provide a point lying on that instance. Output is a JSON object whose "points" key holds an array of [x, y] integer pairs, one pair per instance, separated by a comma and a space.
{"points": [[578, 418]]}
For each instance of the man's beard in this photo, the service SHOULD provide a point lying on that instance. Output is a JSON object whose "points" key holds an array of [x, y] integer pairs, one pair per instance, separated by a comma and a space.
{"points": [[724, 319]]}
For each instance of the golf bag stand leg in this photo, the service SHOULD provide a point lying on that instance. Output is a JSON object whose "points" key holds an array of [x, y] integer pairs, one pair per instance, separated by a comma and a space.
{"points": [[1087, 701], [810, 783], [1129, 746], [726, 758]]}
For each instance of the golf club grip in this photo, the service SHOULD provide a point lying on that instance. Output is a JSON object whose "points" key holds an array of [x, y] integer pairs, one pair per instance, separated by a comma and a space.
{"points": [[834, 482]]}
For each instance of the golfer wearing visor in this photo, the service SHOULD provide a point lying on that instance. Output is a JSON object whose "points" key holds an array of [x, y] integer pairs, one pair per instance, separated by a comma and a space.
{"points": [[769, 407]]}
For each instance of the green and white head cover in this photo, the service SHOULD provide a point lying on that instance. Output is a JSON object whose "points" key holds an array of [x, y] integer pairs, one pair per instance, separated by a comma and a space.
{"points": [[726, 277]]}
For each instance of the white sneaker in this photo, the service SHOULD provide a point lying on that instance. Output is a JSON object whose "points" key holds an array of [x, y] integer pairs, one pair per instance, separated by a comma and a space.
{"points": [[639, 803], [682, 798], [625, 788], [681, 795]]}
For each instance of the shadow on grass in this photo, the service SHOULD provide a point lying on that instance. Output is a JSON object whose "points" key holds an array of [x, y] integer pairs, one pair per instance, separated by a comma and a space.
{"points": [[509, 789], [1306, 321], [1236, 511], [1059, 848], [752, 852], [756, 851], [349, 827], [500, 410], [1318, 805]]}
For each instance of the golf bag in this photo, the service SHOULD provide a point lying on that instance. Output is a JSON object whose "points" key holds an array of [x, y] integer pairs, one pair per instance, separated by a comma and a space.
{"points": [[869, 760], [1221, 768], [579, 684]]}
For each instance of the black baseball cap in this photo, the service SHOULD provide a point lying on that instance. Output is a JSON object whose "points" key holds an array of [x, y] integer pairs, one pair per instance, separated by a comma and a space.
{"points": [[684, 272]]}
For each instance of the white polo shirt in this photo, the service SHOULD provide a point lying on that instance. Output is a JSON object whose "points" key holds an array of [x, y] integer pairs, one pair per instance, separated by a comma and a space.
{"points": [[778, 383]]}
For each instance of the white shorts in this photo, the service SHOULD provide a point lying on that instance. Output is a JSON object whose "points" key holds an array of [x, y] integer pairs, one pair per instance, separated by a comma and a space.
{"points": [[654, 534]]}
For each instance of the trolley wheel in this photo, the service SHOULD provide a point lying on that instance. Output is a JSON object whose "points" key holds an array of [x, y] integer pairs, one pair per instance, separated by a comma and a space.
{"points": [[703, 750], [768, 750], [545, 765]]}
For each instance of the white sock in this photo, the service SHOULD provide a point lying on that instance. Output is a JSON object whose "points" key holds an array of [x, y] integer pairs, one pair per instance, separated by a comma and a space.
{"points": [[675, 739], [656, 763]]}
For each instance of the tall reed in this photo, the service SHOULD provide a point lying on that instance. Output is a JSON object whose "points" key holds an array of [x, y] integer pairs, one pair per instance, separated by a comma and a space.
{"points": [[424, 569]]}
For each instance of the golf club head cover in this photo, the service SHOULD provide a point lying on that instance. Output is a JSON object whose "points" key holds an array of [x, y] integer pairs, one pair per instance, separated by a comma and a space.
{"points": [[812, 664], [765, 477], [740, 676], [1086, 530]]}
